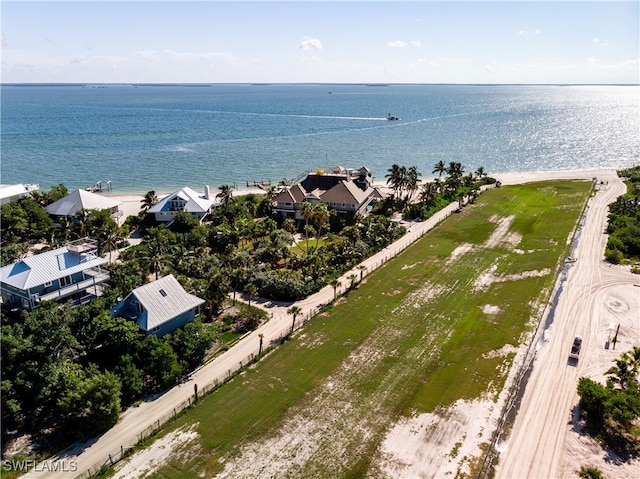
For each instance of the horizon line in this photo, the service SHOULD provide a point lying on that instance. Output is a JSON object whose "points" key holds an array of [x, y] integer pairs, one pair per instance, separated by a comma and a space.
{"points": [[151, 84]]}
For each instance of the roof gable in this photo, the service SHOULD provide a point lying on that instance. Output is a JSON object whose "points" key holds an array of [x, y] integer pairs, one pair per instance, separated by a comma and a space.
{"points": [[46, 267], [194, 202], [163, 300]]}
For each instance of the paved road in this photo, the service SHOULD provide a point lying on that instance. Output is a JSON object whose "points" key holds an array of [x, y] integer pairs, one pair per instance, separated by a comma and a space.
{"points": [[537, 446], [79, 460]]}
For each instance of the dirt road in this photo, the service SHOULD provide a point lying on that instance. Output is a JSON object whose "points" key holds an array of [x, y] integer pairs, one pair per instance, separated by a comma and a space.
{"points": [[545, 441]]}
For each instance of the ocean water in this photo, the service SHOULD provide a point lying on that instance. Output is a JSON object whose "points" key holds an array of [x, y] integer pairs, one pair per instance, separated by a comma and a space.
{"points": [[162, 138]]}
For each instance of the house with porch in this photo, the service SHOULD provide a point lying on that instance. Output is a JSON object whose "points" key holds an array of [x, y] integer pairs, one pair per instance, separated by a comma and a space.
{"points": [[159, 307], [187, 200], [343, 190], [73, 272]]}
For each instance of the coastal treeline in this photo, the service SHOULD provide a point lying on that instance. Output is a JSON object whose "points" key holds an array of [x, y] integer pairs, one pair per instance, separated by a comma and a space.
{"points": [[612, 411], [624, 221], [61, 363]]}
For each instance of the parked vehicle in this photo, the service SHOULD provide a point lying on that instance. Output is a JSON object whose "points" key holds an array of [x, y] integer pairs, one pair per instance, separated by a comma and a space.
{"points": [[575, 348]]}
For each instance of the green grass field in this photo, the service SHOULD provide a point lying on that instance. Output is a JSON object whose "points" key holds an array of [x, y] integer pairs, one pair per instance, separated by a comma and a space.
{"points": [[408, 340]]}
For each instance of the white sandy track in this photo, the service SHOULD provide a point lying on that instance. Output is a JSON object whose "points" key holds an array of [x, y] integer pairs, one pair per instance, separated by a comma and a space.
{"points": [[545, 441], [136, 420]]}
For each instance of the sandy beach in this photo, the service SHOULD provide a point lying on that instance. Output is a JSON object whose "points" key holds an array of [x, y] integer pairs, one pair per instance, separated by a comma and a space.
{"points": [[131, 203]]}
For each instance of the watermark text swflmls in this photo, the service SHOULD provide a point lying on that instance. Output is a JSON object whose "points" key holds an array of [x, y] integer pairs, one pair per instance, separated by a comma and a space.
{"points": [[26, 465]]}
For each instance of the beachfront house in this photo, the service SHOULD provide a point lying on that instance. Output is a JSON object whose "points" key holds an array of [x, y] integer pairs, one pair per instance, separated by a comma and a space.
{"points": [[187, 200], [11, 193], [72, 272], [82, 199], [343, 190], [159, 307]]}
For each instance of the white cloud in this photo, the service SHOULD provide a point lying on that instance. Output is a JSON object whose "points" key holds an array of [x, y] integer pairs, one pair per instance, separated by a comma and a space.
{"points": [[310, 44], [404, 44], [535, 31], [601, 43]]}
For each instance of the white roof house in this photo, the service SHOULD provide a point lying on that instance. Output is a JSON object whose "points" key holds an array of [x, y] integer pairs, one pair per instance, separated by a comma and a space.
{"points": [[160, 307], [9, 193], [82, 199], [185, 199]]}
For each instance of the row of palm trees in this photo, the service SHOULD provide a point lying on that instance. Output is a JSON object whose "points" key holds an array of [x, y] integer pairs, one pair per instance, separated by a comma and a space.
{"points": [[456, 185]]}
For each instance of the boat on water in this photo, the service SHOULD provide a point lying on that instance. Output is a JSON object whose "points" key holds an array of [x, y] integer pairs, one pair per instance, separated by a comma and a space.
{"points": [[392, 118]]}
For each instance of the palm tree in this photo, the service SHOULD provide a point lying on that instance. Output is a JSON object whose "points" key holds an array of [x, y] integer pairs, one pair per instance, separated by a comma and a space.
{"points": [[157, 259], [439, 168], [261, 336], [226, 195], [428, 193], [149, 200], [251, 290], [362, 269], [397, 178], [480, 173], [321, 216], [352, 277], [336, 284], [294, 311], [412, 180], [112, 236], [306, 210], [621, 373]]}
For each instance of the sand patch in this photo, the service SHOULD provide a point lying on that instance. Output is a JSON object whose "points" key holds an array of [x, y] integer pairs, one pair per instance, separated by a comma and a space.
{"points": [[420, 297], [409, 266], [459, 251], [501, 233], [499, 353], [149, 460], [489, 277], [441, 444], [490, 309]]}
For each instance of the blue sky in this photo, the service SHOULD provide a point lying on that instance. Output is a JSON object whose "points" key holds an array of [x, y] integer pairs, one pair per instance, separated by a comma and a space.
{"points": [[304, 41]]}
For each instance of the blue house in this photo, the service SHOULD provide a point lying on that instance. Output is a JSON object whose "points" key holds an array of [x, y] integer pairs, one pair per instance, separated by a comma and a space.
{"points": [[159, 307], [72, 272]]}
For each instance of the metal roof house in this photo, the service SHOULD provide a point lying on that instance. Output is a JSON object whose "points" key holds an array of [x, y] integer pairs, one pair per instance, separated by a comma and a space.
{"points": [[9, 193], [159, 307], [82, 199], [185, 199], [71, 272]]}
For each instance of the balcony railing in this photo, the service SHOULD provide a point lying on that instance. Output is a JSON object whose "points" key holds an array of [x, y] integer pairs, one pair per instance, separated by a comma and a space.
{"points": [[95, 278]]}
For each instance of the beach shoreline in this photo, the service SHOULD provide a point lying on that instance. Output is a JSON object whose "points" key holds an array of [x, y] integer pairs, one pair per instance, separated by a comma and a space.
{"points": [[131, 203]]}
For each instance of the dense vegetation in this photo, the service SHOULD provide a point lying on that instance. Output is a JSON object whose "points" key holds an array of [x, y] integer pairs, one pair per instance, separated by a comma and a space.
{"points": [[612, 411], [410, 339], [61, 363], [624, 221]]}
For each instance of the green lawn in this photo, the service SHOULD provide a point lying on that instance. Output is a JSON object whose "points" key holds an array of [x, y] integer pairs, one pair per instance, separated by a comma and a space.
{"points": [[407, 340]]}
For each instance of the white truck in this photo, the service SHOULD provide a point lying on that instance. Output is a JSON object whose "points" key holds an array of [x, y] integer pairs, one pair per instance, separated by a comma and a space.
{"points": [[575, 348]]}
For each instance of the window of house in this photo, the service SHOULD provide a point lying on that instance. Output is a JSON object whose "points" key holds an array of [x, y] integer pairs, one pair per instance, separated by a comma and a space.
{"points": [[138, 307], [65, 281]]}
